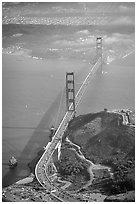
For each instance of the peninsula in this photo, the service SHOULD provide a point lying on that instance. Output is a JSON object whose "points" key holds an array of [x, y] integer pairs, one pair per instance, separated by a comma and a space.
{"points": [[95, 162]]}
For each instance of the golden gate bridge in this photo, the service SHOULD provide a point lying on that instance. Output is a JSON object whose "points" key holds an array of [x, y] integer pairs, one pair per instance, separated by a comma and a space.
{"points": [[72, 101]]}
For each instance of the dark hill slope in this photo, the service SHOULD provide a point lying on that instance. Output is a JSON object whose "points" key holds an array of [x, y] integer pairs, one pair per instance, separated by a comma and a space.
{"points": [[102, 135], [104, 139]]}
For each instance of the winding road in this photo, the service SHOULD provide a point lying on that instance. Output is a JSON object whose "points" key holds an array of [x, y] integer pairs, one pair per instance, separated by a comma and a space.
{"points": [[41, 167]]}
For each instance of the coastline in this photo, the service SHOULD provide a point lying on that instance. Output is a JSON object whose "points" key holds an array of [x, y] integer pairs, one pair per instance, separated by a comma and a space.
{"points": [[92, 166], [90, 157], [29, 115], [31, 165], [36, 158]]}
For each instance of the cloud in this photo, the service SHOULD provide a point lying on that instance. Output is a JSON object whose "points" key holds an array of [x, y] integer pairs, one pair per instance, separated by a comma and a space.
{"points": [[124, 20], [83, 32], [86, 41], [123, 8], [128, 8], [110, 40], [118, 38], [62, 43], [77, 42]]}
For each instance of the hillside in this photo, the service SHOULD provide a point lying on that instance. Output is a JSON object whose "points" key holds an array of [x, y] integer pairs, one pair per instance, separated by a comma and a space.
{"points": [[100, 136], [103, 139]]}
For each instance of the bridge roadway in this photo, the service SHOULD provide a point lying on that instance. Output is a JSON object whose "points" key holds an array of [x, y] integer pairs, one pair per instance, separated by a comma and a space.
{"points": [[41, 167]]}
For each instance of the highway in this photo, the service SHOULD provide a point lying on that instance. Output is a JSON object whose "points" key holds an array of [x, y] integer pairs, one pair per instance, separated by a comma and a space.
{"points": [[41, 167]]}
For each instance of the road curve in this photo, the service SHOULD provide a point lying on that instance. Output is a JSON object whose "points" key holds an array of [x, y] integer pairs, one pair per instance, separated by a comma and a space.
{"points": [[41, 167]]}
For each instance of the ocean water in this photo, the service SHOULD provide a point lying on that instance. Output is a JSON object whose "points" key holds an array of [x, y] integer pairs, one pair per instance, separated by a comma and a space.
{"points": [[114, 89], [33, 92], [35, 60]]}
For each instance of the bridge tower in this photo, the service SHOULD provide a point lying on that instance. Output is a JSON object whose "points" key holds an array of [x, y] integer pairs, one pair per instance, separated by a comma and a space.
{"points": [[70, 92], [99, 49], [99, 46]]}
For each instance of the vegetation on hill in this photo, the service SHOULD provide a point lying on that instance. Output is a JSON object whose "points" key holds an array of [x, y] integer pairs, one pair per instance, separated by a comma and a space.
{"points": [[103, 139], [72, 168]]}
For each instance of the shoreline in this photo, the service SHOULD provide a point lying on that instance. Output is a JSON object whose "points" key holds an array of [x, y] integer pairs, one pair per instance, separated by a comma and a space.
{"points": [[34, 110], [33, 163], [22, 52], [37, 152]]}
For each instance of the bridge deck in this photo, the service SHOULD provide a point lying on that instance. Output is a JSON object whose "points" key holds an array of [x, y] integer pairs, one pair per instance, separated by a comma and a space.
{"points": [[40, 170]]}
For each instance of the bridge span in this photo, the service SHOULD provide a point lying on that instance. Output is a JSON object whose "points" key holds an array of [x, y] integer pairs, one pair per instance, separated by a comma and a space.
{"points": [[42, 165]]}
